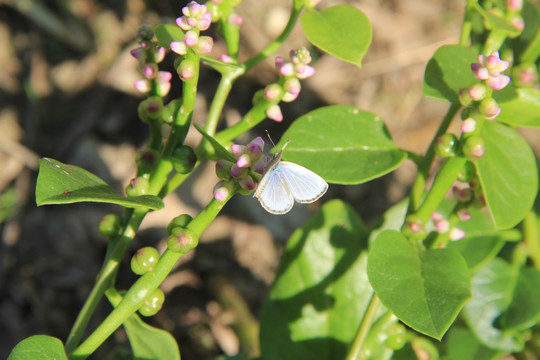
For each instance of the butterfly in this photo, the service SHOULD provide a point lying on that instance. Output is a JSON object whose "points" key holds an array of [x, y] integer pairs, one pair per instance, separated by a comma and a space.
{"points": [[284, 182]]}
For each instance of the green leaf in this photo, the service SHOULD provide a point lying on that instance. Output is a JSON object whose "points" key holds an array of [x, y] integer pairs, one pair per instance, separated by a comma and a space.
{"points": [[150, 343], [342, 144], [167, 33], [524, 311], [449, 71], [492, 289], [59, 183], [498, 23], [38, 347], [342, 31], [508, 174], [219, 149], [463, 345], [523, 109], [321, 290], [426, 290]]}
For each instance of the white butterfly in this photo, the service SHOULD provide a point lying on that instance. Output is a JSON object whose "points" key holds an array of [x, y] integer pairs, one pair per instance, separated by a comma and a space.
{"points": [[284, 182]]}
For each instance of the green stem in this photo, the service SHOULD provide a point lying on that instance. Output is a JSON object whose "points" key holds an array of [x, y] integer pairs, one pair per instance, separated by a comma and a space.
{"points": [[532, 51], [363, 330], [442, 183], [276, 44], [105, 278], [254, 116], [419, 185], [144, 285], [494, 41], [467, 23], [531, 236]]}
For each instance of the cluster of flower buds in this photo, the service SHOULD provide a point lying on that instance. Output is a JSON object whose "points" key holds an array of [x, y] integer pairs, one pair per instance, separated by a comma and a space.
{"points": [[248, 157], [288, 87], [149, 55], [196, 18], [490, 68], [442, 224]]}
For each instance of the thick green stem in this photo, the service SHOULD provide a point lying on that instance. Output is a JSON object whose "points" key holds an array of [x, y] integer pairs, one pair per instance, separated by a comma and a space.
{"points": [[365, 327], [531, 236], [442, 183], [467, 23], [418, 187], [494, 41], [254, 116], [276, 44], [144, 285], [105, 278]]}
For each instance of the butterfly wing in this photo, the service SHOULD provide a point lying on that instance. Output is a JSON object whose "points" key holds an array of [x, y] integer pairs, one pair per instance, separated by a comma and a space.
{"points": [[304, 185], [273, 193]]}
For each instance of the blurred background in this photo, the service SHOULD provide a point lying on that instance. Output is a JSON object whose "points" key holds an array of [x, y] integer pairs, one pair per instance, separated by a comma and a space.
{"points": [[66, 92]]}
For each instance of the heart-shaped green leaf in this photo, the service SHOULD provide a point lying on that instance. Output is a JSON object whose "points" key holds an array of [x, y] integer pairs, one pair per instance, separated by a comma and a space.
{"points": [[342, 144], [424, 289], [523, 109], [342, 31], [508, 174], [59, 183], [321, 290], [492, 289], [449, 71], [148, 342], [38, 347]]}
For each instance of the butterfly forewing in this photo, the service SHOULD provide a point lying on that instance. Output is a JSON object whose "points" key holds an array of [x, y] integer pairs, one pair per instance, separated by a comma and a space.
{"points": [[273, 193], [304, 185]]}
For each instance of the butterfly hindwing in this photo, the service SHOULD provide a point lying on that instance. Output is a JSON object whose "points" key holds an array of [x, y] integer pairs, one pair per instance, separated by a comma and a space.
{"points": [[304, 185], [273, 193]]}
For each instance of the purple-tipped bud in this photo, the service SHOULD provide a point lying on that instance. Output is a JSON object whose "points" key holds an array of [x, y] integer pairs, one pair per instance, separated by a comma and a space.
{"points": [[462, 194], [142, 86], [204, 45], [138, 53], [279, 62], [223, 169], [259, 142], [274, 112], [247, 183], [481, 72], [489, 108], [191, 37], [456, 234], [238, 172], [150, 71], [160, 54], [237, 150], [463, 215], [498, 82], [254, 151], [468, 125], [478, 91], [178, 47], [243, 161], [259, 165], [273, 92]]}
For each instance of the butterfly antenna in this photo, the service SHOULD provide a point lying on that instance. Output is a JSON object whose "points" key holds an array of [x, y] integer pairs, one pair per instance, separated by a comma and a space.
{"points": [[269, 137]]}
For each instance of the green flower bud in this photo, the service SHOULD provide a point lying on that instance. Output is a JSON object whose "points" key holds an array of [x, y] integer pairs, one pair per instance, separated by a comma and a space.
{"points": [[464, 97], [146, 160], [184, 159], [182, 240], [446, 145], [150, 109], [152, 303], [414, 227], [137, 186], [109, 225], [144, 260], [397, 336], [474, 147], [181, 221]]}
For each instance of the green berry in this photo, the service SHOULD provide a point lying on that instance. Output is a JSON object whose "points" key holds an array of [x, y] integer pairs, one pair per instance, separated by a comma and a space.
{"points": [[446, 145], [150, 109], [467, 173], [397, 336], [184, 159], [137, 186], [474, 147], [182, 240], [180, 221], [152, 303], [144, 260], [109, 225]]}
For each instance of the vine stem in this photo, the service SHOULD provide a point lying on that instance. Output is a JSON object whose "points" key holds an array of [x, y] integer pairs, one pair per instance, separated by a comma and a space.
{"points": [[419, 184], [145, 285], [365, 327]]}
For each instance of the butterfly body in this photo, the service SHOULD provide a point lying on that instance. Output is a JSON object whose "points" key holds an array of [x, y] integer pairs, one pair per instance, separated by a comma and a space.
{"points": [[285, 182]]}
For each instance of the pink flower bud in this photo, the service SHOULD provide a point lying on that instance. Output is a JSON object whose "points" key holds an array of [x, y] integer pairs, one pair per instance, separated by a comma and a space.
{"points": [[254, 151], [273, 92], [287, 69], [238, 172], [259, 142], [259, 165], [142, 86], [292, 86], [514, 5], [279, 62], [305, 72], [244, 161], [237, 150], [235, 19], [489, 108], [468, 125], [478, 91], [204, 45], [178, 47], [150, 71], [518, 22], [479, 71], [138, 53], [274, 112], [226, 58], [456, 234], [247, 183], [437, 216], [164, 82], [191, 38], [288, 97], [498, 82], [186, 69], [463, 215], [160, 54], [183, 23], [442, 226], [222, 190]]}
